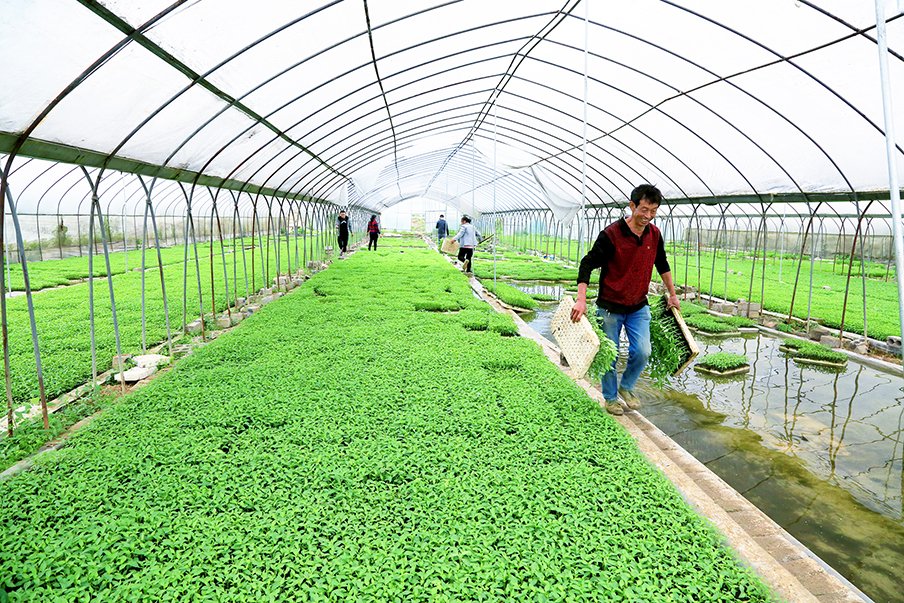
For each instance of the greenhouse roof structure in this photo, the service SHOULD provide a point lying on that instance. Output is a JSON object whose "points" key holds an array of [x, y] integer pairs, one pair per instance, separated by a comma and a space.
{"points": [[489, 106]]}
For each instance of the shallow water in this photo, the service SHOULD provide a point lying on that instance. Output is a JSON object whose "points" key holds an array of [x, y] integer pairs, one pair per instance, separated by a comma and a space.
{"points": [[820, 451]]}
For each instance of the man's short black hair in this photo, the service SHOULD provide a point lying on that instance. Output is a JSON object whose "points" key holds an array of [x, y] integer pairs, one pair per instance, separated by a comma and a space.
{"points": [[441, 216], [648, 192]]}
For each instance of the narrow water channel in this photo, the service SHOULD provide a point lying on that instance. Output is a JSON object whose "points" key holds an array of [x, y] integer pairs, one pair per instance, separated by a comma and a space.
{"points": [[819, 451]]}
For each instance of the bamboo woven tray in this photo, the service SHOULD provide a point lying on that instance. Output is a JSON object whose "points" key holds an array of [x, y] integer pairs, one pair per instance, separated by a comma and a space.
{"points": [[577, 340], [450, 246]]}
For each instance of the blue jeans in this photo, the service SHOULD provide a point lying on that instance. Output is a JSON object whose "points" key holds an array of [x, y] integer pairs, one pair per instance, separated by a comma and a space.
{"points": [[637, 326]]}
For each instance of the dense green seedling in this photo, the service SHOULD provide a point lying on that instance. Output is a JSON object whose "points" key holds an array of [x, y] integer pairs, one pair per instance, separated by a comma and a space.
{"points": [[52, 273], [709, 323], [827, 304], [666, 343], [814, 351], [784, 327], [64, 330], [543, 297], [343, 446], [723, 361], [30, 435], [739, 321], [525, 271], [607, 354], [510, 295], [690, 308]]}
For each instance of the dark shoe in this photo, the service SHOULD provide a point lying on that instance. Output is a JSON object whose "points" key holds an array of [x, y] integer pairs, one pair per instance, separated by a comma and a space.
{"points": [[630, 399], [614, 408]]}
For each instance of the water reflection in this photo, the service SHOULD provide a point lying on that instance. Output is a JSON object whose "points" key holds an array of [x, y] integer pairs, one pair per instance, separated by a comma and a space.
{"points": [[820, 451]]}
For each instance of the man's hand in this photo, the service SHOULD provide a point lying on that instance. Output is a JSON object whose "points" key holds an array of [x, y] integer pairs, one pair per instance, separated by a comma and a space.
{"points": [[673, 302], [580, 307]]}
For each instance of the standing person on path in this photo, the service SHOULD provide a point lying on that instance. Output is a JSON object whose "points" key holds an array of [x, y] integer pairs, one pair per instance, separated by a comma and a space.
{"points": [[342, 227], [442, 230], [625, 252], [373, 229], [467, 238]]}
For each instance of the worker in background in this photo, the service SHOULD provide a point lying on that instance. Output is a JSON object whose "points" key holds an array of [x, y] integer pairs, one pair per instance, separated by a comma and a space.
{"points": [[343, 230], [467, 238], [373, 229], [442, 230], [626, 252]]}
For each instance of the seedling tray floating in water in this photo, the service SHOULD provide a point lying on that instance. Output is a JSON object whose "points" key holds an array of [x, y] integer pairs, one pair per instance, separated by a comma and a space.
{"points": [[577, 340]]}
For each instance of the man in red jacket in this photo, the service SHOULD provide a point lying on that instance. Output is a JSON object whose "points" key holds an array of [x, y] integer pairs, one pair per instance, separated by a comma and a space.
{"points": [[626, 252]]}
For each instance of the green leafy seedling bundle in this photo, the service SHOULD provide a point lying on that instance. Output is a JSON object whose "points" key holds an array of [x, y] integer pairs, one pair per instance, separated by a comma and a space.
{"points": [[602, 362], [723, 361], [665, 344]]}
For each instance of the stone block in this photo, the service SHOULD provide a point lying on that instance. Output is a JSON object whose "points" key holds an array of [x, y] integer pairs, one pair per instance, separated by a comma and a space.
{"points": [[252, 309], [240, 302], [277, 294], [725, 308], [194, 326], [266, 291], [826, 288], [266, 300], [280, 280], [753, 309], [893, 341], [770, 324], [237, 317], [150, 360], [115, 361], [135, 374], [223, 322], [818, 333], [861, 349], [298, 282], [830, 341]]}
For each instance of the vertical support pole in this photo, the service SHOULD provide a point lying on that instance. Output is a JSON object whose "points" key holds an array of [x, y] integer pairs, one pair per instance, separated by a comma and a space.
{"points": [[494, 198], [4, 185], [581, 216], [893, 187], [31, 308]]}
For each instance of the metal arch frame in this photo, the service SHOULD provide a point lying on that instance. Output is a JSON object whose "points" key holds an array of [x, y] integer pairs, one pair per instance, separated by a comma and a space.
{"points": [[149, 209], [95, 207], [31, 316]]}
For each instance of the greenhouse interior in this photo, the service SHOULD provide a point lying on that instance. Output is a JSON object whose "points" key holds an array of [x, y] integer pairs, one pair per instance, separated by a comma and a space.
{"points": [[351, 361]]}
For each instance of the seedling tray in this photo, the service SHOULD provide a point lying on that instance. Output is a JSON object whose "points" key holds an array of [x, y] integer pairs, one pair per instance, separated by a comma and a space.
{"points": [[577, 340], [717, 373]]}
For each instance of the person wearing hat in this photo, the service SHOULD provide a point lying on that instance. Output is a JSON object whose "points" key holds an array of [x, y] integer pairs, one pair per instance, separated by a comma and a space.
{"points": [[467, 238]]}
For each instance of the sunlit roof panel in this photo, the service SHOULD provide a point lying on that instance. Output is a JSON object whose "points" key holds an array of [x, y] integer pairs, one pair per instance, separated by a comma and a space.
{"points": [[322, 46], [41, 57], [854, 146], [166, 131], [113, 101]]}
